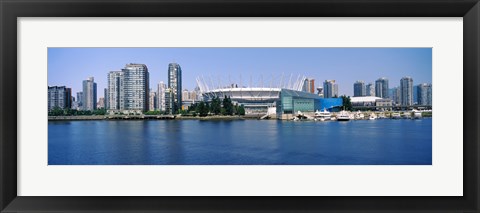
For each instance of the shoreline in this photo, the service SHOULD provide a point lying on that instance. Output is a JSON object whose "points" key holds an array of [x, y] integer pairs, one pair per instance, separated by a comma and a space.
{"points": [[143, 117], [166, 117]]}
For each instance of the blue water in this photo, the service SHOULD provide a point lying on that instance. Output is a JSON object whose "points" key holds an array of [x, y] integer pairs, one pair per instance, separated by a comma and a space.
{"points": [[241, 142]]}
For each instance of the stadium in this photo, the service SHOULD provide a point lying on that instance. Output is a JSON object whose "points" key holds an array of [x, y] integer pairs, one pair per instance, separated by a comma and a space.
{"points": [[282, 99]]}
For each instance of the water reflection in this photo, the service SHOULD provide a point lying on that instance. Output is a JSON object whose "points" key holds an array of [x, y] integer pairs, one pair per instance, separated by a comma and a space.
{"points": [[249, 142]]}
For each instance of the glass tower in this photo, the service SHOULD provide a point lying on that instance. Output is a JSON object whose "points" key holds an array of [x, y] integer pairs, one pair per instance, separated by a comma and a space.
{"points": [[370, 90], [330, 89], [424, 94], [161, 88], [359, 89], [89, 94], [406, 88], [175, 84], [134, 87], [113, 90], [59, 96], [381, 88]]}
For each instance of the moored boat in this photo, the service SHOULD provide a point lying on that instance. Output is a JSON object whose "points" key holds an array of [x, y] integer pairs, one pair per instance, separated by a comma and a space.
{"points": [[396, 115], [323, 115], [416, 114], [359, 116], [343, 116], [381, 116]]}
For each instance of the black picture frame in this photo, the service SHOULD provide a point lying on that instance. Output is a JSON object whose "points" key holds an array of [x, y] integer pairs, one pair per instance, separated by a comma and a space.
{"points": [[10, 10]]}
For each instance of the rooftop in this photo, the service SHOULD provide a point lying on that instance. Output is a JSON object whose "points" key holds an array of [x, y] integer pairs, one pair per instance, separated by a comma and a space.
{"points": [[364, 99]]}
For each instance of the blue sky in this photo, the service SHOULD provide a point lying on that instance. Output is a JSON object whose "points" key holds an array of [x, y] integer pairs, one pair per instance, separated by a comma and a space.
{"points": [[70, 66]]}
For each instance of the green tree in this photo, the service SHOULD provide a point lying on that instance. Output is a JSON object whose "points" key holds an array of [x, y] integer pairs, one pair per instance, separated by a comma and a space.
{"points": [[207, 106], [347, 104], [241, 110], [235, 109], [228, 106], [155, 112], [101, 111], [215, 106], [56, 111], [68, 112], [202, 109], [183, 112], [193, 107]]}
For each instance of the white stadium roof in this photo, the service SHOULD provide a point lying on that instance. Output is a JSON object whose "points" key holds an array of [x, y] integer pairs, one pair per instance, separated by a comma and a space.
{"points": [[364, 99]]}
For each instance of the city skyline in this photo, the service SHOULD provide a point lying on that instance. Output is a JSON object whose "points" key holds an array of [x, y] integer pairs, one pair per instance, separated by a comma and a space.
{"points": [[69, 66]]}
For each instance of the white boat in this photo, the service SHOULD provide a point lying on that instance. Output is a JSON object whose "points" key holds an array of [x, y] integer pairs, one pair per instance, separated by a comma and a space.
{"points": [[343, 116], [359, 116], [396, 115], [324, 115], [417, 114], [381, 116], [302, 116], [372, 116]]}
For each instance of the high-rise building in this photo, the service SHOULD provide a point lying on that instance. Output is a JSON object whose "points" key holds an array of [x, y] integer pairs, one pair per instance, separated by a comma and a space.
{"points": [[312, 86], [193, 95], [134, 87], [79, 100], [169, 101], [89, 94], [74, 104], [335, 90], [175, 84], [185, 95], [415, 95], [153, 101], [370, 89], [406, 87], [396, 96], [320, 91], [101, 103], [70, 98], [105, 98], [381, 88], [309, 85], [359, 89], [161, 87], [198, 94], [429, 95], [59, 97], [330, 89], [128, 90], [115, 87], [424, 94], [306, 85]]}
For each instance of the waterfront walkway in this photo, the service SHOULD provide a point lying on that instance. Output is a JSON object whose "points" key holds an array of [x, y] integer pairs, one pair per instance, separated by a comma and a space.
{"points": [[115, 117]]}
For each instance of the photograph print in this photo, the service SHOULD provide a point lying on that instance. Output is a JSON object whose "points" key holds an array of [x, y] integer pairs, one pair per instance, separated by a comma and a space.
{"points": [[239, 106]]}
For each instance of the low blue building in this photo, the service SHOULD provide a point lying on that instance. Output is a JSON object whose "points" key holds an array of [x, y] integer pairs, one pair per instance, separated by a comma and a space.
{"points": [[292, 101]]}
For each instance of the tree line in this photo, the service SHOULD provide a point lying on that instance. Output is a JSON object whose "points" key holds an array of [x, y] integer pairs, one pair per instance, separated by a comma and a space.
{"points": [[216, 107], [57, 111]]}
